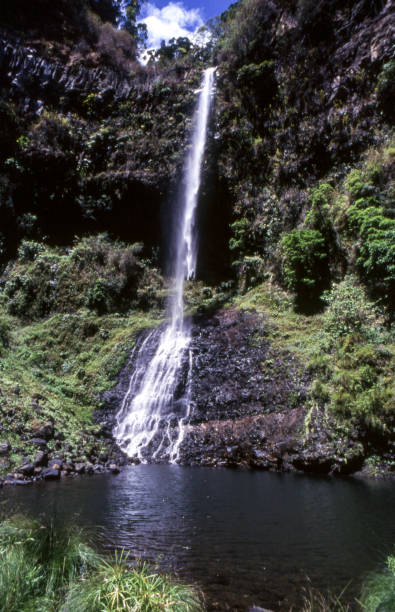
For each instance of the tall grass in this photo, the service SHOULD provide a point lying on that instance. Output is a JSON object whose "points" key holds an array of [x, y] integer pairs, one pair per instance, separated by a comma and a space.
{"points": [[117, 586], [378, 594], [38, 562], [48, 569]]}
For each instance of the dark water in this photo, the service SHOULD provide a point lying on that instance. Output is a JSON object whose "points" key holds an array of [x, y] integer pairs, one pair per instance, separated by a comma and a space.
{"points": [[246, 537]]}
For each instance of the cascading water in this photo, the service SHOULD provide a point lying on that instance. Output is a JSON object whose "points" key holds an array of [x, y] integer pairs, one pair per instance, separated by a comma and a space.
{"points": [[151, 420]]}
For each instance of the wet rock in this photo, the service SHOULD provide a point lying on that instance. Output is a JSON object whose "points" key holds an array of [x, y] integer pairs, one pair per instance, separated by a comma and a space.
{"points": [[114, 469], [5, 448], [80, 468], [106, 431], [89, 468], [50, 474], [56, 463], [39, 442], [41, 459], [26, 470], [68, 467], [44, 431]]}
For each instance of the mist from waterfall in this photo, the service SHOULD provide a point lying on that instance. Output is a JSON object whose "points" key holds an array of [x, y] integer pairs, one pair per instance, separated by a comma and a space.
{"points": [[152, 417]]}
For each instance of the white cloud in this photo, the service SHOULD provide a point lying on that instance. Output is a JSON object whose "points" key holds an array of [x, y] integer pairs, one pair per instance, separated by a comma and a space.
{"points": [[172, 21]]}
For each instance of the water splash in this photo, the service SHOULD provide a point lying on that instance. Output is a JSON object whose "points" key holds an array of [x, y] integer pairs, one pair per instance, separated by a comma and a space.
{"points": [[151, 420]]}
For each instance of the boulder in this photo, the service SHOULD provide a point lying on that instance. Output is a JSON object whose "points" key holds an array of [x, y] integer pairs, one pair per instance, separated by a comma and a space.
{"points": [[114, 468], [26, 469], [45, 431], [80, 468], [50, 474], [5, 448], [39, 442], [56, 463], [41, 459], [89, 468]]}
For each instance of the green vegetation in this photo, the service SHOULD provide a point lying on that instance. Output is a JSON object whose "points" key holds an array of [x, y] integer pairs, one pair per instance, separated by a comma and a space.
{"points": [[378, 594], [51, 569], [354, 362], [305, 263], [349, 354], [379, 590], [68, 322], [97, 273]]}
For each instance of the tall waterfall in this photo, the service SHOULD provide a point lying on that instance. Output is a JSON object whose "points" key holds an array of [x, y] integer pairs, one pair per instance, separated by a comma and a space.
{"points": [[151, 420]]}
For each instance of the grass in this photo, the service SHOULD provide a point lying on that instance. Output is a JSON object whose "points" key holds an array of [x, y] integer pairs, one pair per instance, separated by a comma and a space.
{"points": [[378, 593], [284, 328], [348, 354], [316, 601], [67, 361], [47, 569], [118, 586]]}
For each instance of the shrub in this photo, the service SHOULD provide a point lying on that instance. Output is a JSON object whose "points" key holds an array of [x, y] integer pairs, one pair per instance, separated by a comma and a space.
{"points": [[386, 88], [319, 215], [97, 273], [379, 590], [305, 264], [258, 84], [118, 586], [28, 250], [353, 379], [116, 47], [348, 311], [5, 332]]}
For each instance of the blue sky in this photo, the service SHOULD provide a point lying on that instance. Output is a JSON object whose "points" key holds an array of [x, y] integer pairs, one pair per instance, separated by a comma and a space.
{"points": [[208, 8], [166, 19]]}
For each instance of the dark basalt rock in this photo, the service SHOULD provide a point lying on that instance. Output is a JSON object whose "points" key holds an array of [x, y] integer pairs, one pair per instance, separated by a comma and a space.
{"points": [[5, 448], [41, 459], [55, 463], [39, 79], [50, 474], [235, 372], [39, 442], [27, 469], [45, 431]]}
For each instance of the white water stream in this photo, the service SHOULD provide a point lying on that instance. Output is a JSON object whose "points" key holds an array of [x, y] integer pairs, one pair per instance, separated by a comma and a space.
{"points": [[151, 420]]}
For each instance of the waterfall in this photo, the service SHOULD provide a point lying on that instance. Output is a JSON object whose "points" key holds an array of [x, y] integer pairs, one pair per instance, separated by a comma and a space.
{"points": [[151, 421]]}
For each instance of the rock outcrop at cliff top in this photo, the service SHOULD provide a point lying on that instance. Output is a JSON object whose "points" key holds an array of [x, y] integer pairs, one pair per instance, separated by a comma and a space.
{"points": [[36, 80]]}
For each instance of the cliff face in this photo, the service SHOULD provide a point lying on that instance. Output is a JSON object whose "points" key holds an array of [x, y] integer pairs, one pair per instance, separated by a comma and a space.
{"points": [[300, 101], [296, 191]]}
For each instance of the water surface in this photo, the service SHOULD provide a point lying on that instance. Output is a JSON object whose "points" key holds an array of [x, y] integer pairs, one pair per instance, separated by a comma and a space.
{"points": [[245, 537]]}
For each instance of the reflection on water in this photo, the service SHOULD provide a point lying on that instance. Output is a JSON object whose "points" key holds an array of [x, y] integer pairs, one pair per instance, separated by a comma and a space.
{"points": [[246, 537]]}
